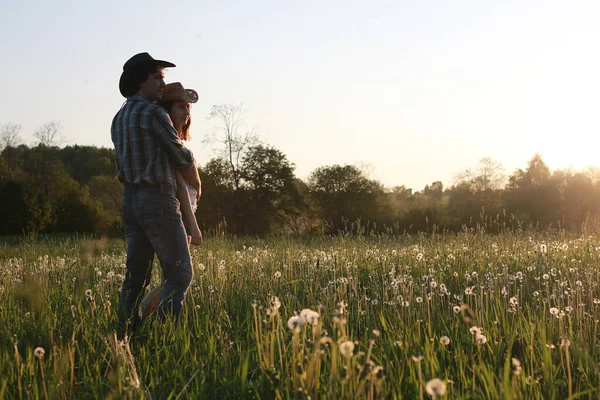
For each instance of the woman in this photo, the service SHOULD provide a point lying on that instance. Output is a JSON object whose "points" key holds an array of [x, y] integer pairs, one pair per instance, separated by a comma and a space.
{"points": [[177, 100]]}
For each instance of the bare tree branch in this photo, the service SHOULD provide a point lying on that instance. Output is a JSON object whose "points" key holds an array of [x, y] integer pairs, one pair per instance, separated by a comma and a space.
{"points": [[10, 135], [50, 134]]}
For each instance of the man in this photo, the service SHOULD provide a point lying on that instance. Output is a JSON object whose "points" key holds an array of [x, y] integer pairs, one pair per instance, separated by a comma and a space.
{"points": [[149, 153]]}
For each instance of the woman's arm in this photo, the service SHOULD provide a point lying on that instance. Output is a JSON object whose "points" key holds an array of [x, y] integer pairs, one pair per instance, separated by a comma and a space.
{"points": [[189, 219]]}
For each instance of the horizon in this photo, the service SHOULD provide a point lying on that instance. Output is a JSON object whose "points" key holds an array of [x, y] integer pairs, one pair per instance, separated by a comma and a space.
{"points": [[417, 93]]}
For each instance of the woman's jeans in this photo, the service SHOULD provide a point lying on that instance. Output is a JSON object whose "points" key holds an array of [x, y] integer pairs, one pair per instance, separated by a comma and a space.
{"points": [[153, 225]]}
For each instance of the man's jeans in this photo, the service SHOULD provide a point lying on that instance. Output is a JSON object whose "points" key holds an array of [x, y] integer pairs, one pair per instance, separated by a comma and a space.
{"points": [[153, 224]]}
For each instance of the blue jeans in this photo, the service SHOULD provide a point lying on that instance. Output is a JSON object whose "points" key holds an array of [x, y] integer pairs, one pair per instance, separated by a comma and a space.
{"points": [[153, 225]]}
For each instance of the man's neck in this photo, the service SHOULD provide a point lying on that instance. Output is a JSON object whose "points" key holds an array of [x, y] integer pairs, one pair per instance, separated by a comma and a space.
{"points": [[139, 94]]}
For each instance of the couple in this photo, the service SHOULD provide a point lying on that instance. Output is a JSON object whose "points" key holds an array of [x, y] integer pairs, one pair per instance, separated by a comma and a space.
{"points": [[162, 187]]}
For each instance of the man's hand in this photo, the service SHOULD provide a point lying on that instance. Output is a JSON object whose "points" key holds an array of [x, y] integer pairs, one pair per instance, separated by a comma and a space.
{"points": [[190, 174]]}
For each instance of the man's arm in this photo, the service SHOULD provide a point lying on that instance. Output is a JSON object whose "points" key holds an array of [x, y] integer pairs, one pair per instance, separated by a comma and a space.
{"points": [[190, 174], [180, 157], [166, 135]]}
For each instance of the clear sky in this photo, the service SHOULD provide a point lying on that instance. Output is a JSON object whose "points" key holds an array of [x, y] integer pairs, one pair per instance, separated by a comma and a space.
{"points": [[417, 90]]}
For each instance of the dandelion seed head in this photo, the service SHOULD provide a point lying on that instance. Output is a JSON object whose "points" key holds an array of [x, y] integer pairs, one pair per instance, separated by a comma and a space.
{"points": [[347, 349], [480, 339], [436, 388], [39, 352], [445, 340], [294, 323], [474, 330]]}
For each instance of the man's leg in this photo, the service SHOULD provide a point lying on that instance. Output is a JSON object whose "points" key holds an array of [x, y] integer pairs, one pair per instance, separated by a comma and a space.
{"points": [[140, 255], [169, 240]]}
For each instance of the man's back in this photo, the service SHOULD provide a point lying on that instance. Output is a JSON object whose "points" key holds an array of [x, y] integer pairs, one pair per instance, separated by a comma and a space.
{"points": [[144, 138]]}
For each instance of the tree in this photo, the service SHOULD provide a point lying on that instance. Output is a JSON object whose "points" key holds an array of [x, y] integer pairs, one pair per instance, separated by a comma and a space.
{"points": [[533, 195], [344, 194], [270, 191], [435, 190], [230, 136], [50, 134], [9, 140], [487, 175], [236, 142], [108, 191], [10, 135]]}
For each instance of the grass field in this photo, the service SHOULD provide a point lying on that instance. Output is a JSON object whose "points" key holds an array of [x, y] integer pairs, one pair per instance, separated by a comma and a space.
{"points": [[453, 316]]}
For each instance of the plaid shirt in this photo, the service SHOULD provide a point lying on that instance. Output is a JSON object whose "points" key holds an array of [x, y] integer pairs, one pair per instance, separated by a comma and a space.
{"points": [[147, 145]]}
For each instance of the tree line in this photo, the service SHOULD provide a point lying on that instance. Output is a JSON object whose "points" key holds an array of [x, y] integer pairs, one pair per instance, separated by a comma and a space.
{"points": [[250, 188]]}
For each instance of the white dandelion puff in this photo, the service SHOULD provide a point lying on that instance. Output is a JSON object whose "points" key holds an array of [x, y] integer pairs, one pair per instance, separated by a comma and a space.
{"points": [[347, 349], [435, 388], [294, 322], [39, 352]]}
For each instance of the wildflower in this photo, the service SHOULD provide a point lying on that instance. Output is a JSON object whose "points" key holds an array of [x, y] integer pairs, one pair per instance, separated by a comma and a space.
{"points": [[433, 284], [516, 366], [554, 311], [519, 275], [504, 292], [445, 340], [347, 349], [39, 352], [456, 309], [419, 299], [375, 333], [565, 342], [480, 339], [310, 316], [543, 249], [475, 330], [277, 275], [546, 277], [468, 291], [294, 323], [436, 388], [275, 303], [88, 293]]}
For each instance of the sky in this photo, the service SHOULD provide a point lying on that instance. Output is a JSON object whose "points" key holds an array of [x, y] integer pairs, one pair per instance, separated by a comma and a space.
{"points": [[411, 91]]}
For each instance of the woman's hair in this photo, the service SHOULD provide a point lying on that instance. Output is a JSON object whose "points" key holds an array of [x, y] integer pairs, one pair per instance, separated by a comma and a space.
{"points": [[184, 134], [138, 75]]}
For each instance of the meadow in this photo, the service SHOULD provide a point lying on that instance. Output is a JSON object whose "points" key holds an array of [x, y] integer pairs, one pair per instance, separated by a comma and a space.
{"points": [[462, 316]]}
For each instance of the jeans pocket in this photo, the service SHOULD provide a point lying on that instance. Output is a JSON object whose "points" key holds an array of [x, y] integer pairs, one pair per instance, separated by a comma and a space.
{"points": [[150, 215]]}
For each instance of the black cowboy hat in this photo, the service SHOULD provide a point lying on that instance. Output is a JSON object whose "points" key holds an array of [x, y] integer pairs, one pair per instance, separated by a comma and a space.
{"points": [[137, 61]]}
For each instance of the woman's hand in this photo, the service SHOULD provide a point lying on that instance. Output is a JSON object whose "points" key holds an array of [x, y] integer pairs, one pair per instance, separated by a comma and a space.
{"points": [[196, 236]]}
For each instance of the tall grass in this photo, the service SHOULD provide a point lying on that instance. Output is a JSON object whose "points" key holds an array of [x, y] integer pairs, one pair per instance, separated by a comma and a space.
{"points": [[450, 316]]}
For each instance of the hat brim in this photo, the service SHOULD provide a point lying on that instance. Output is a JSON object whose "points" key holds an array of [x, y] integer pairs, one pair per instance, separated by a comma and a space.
{"points": [[125, 75]]}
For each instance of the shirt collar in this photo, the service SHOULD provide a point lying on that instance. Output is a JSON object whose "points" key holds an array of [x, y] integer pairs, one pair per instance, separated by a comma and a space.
{"points": [[138, 97]]}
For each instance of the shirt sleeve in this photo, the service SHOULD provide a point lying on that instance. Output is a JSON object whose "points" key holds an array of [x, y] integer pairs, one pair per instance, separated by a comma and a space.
{"points": [[166, 135]]}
